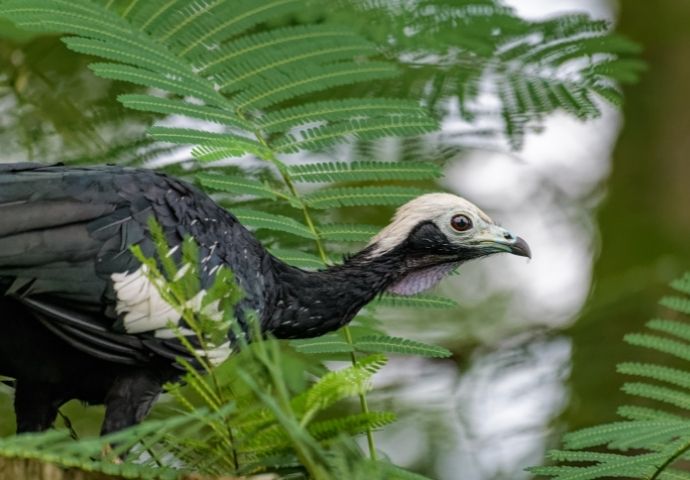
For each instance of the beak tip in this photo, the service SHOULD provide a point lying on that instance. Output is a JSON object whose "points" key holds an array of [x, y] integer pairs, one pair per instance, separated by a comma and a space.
{"points": [[521, 248]]}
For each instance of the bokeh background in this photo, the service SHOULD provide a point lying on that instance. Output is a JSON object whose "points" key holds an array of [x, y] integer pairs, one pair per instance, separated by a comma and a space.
{"points": [[604, 204]]}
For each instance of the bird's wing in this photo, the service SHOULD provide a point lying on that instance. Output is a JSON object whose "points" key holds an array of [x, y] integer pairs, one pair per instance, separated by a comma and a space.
{"points": [[65, 239]]}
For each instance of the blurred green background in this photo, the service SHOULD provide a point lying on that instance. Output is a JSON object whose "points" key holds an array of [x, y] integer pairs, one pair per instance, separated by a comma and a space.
{"points": [[605, 206]]}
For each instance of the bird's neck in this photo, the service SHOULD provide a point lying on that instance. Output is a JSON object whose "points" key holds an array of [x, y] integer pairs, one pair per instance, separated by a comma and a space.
{"points": [[309, 304]]}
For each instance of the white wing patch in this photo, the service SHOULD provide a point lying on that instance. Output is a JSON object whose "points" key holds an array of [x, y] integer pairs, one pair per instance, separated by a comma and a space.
{"points": [[142, 305], [145, 310]]}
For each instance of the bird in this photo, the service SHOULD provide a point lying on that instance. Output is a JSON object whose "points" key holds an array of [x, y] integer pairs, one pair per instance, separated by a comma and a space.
{"points": [[80, 319]]}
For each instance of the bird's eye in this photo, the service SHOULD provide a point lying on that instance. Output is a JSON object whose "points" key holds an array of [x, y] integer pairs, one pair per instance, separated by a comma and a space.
{"points": [[461, 223]]}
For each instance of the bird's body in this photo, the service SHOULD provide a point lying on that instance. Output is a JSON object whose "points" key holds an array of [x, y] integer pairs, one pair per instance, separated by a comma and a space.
{"points": [[80, 319]]}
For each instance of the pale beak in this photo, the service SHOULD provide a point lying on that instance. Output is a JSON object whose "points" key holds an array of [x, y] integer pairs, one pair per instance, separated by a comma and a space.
{"points": [[507, 242]]}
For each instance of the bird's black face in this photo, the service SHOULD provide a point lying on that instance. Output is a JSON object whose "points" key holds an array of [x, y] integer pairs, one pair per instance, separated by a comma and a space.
{"points": [[464, 239]]}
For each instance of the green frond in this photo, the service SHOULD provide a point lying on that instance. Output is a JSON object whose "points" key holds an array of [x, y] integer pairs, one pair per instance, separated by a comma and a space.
{"points": [[284, 86], [233, 146], [661, 394], [319, 138], [148, 15], [361, 196], [235, 185], [57, 447], [206, 23], [682, 284], [351, 424], [287, 38], [229, 146], [623, 70], [634, 412], [241, 75], [557, 53], [324, 344], [188, 136], [673, 474], [654, 342], [147, 78], [416, 301], [678, 304], [338, 110], [654, 429], [388, 344], [674, 376], [347, 232], [166, 106], [297, 258], [347, 382], [271, 221], [122, 51], [628, 435], [672, 327], [364, 171], [603, 465], [107, 35]]}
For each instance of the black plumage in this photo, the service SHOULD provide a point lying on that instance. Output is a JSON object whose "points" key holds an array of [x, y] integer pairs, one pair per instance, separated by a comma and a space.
{"points": [[65, 236]]}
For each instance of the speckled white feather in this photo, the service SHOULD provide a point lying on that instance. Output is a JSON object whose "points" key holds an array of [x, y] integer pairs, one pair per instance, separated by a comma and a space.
{"points": [[145, 309], [140, 302]]}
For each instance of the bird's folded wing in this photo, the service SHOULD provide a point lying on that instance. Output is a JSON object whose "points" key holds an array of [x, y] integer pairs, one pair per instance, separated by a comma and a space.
{"points": [[65, 235]]}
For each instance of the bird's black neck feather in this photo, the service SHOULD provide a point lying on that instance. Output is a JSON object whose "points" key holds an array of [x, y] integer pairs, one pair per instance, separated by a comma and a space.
{"points": [[309, 304]]}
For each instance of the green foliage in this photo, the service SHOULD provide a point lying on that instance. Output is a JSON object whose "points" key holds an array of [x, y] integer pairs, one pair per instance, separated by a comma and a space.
{"points": [[470, 48], [364, 171], [651, 442], [370, 343], [361, 196]]}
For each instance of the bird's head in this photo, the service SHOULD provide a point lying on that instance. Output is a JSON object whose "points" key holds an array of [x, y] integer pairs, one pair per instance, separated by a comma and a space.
{"points": [[432, 234]]}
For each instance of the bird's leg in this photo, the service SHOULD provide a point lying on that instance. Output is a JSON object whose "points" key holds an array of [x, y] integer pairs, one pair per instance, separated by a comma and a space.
{"points": [[129, 399], [36, 406]]}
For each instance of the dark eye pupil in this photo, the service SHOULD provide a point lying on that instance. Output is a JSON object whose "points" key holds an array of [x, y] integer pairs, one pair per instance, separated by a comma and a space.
{"points": [[461, 223]]}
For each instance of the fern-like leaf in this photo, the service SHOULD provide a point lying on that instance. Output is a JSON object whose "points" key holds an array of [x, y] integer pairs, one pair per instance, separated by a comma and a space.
{"points": [[388, 344], [297, 258], [323, 344], [416, 301], [362, 129], [338, 110], [150, 103], [656, 372], [678, 304], [652, 437], [344, 383], [364, 171], [281, 87], [259, 219], [361, 196], [347, 233], [236, 185], [682, 284], [351, 425]]}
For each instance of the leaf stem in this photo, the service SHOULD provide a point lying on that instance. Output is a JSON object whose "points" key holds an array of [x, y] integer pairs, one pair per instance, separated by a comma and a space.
{"points": [[318, 240], [684, 448]]}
